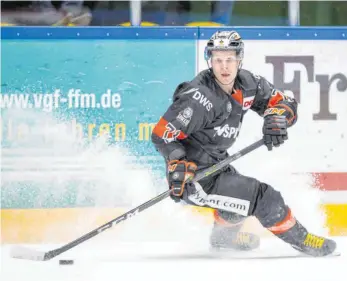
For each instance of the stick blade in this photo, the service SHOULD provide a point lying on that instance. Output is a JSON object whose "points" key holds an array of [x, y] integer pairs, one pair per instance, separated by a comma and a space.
{"points": [[19, 252]]}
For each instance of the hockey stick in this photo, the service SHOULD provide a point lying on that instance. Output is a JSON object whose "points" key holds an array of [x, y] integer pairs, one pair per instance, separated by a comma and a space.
{"points": [[31, 254]]}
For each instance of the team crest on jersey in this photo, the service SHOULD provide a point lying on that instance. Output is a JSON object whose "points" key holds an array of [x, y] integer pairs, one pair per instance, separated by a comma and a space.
{"points": [[229, 107], [185, 116], [187, 113]]}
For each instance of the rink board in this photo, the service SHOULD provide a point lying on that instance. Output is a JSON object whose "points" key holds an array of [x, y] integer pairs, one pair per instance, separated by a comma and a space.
{"points": [[48, 175], [34, 226]]}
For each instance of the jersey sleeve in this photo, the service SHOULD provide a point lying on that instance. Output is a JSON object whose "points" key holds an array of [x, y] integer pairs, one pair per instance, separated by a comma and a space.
{"points": [[185, 115], [269, 100]]}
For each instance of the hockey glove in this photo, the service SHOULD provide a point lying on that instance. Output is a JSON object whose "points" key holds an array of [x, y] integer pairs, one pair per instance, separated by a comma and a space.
{"points": [[179, 171], [274, 130]]}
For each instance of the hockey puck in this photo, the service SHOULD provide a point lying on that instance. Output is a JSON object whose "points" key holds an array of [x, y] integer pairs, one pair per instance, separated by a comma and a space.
{"points": [[65, 262]]}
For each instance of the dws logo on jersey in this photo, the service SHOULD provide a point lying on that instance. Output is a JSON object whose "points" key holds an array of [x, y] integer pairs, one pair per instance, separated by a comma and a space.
{"points": [[200, 98], [226, 131]]}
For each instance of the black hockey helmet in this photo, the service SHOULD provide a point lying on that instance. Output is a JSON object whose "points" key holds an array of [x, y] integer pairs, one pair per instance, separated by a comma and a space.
{"points": [[225, 40]]}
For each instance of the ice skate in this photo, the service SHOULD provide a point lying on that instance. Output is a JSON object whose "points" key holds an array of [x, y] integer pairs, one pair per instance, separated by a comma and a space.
{"points": [[232, 238], [302, 240], [226, 233]]}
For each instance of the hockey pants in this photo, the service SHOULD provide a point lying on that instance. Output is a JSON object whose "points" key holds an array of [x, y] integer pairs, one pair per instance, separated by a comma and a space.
{"points": [[236, 196]]}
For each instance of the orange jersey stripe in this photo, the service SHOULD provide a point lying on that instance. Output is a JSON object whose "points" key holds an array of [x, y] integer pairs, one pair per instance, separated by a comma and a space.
{"points": [[160, 128], [166, 131]]}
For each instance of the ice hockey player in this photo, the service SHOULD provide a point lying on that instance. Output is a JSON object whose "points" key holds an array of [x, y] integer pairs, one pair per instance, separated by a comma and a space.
{"points": [[204, 121]]}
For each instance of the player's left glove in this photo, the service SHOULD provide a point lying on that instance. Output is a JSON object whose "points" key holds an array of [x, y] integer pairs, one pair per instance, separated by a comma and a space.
{"points": [[274, 129], [179, 171]]}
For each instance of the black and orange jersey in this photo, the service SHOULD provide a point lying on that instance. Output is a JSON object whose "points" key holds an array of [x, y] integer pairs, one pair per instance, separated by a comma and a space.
{"points": [[204, 121]]}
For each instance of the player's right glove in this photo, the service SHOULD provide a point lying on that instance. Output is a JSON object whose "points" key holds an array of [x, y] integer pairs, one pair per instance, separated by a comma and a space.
{"points": [[275, 130], [179, 171]]}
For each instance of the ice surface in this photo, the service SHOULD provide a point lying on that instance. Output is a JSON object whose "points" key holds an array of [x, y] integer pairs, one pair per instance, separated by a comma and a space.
{"points": [[173, 261]]}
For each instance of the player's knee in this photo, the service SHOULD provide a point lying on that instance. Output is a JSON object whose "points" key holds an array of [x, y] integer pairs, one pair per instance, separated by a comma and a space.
{"points": [[269, 206]]}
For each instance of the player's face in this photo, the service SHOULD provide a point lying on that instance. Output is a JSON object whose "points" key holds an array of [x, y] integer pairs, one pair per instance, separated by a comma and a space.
{"points": [[225, 65]]}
